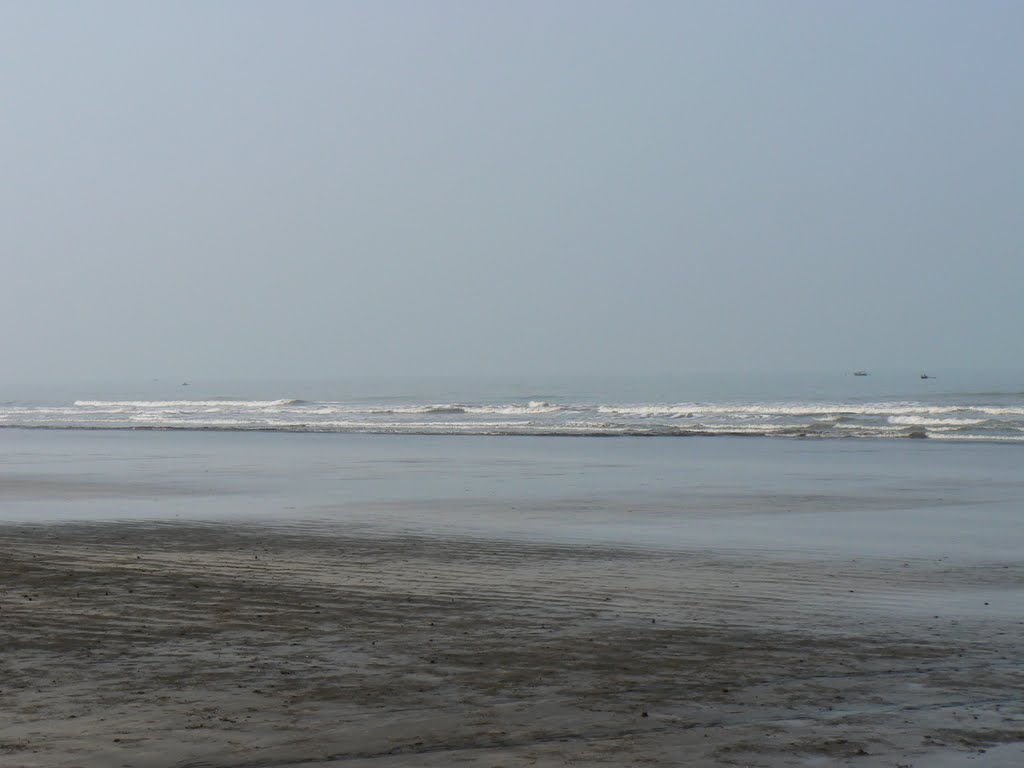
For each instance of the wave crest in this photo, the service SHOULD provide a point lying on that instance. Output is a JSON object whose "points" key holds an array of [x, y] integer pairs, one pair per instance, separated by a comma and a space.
{"points": [[184, 403]]}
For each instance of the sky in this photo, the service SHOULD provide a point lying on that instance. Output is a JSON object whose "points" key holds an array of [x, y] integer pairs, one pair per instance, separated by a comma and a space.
{"points": [[332, 189]]}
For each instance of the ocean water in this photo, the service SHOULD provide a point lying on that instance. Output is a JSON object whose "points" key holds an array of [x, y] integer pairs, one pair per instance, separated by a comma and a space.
{"points": [[918, 498], [949, 406], [800, 464]]}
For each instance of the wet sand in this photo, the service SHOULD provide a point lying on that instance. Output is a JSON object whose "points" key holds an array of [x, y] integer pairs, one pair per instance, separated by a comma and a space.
{"points": [[227, 645]]}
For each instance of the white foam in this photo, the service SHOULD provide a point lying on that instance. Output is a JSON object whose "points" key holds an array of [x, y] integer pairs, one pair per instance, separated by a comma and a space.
{"points": [[648, 411], [182, 403], [777, 409], [534, 407], [996, 438], [510, 409], [163, 421], [943, 419], [924, 421], [1000, 410]]}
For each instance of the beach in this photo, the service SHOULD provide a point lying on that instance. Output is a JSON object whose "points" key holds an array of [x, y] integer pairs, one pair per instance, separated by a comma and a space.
{"points": [[511, 384], [168, 600]]}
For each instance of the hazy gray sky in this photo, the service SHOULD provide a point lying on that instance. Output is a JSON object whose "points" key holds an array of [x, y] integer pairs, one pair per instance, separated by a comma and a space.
{"points": [[334, 188]]}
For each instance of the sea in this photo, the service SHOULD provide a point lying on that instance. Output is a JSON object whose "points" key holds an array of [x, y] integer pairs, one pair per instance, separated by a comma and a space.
{"points": [[888, 464], [878, 473], [964, 406]]}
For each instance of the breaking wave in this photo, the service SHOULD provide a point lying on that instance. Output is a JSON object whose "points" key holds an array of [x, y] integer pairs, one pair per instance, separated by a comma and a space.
{"points": [[924, 421], [944, 420], [185, 403]]}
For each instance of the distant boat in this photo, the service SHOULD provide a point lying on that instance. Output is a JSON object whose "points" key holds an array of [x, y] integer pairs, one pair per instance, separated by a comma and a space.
{"points": [[926, 376], [860, 373]]}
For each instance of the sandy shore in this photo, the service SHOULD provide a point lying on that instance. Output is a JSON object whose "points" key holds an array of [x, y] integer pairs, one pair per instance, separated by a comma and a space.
{"points": [[200, 645]]}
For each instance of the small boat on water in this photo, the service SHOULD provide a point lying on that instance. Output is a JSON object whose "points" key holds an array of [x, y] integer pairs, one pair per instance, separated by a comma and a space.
{"points": [[860, 373], [926, 376]]}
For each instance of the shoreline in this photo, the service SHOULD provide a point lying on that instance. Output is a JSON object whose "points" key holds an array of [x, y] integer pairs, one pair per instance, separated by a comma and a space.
{"points": [[218, 644], [636, 434]]}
